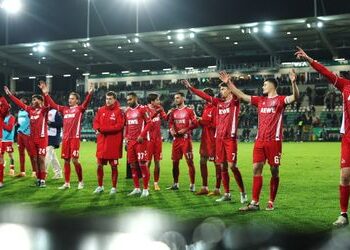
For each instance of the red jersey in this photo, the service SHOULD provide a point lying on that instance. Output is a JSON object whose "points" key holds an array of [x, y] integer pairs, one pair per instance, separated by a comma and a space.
{"points": [[37, 116], [270, 115], [109, 121], [4, 108], [183, 118], [227, 113], [72, 116], [208, 123], [344, 86], [138, 122], [156, 117]]}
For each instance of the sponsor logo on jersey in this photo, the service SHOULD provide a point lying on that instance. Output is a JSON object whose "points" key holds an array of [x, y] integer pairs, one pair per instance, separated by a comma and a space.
{"points": [[224, 111], [34, 117], [268, 110], [180, 121], [133, 122], [67, 116], [156, 119]]}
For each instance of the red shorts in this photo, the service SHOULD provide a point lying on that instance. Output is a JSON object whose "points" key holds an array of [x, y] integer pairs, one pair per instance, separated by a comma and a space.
{"points": [[39, 146], [207, 149], [25, 142], [182, 146], [137, 151], [104, 162], [7, 147], [154, 149], [345, 152], [70, 148], [226, 150], [267, 150]]}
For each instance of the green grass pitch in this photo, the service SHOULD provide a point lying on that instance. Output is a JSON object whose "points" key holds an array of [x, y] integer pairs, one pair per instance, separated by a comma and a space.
{"points": [[307, 198]]}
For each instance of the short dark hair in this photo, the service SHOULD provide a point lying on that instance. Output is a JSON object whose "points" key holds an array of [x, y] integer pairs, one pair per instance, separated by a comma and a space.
{"points": [[223, 85], [208, 91], [75, 94], [152, 97], [40, 97], [133, 94], [112, 93], [180, 93], [273, 81]]}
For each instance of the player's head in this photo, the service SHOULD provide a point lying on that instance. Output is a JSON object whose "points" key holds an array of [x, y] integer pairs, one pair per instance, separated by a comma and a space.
{"points": [[270, 85], [224, 90], [73, 99], [153, 99], [111, 98], [131, 99], [37, 100], [209, 91], [179, 98]]}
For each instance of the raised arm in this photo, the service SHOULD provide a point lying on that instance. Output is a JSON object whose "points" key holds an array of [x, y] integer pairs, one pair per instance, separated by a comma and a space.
{"points": [[48, 100], [15, 99], [200, 93], [226, 78], [4, 106], [87, 100], [295, 90], [337, 81]]}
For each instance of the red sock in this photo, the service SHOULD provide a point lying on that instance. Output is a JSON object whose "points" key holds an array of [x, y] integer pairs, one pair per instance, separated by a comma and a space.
{"points": [[79, 171], [176, 171], [238, 178], [257, 185], [344, 198], [100, 175], [135, 177], [22, 159], [225, 179], [191, 171], [1, 172], [42, 175], [156, 173], [204, 174], [38, 173], [114, 175], [274, 182], [218, 176], [67, 172], [145, 174]]}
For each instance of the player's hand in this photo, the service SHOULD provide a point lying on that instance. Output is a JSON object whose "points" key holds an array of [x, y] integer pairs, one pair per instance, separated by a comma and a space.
{"points": [[224, 76], [42, 85], [91, 88], [186, 83], [139, 139], [182, 131], [301, 54], [7, 91], [293, 76], [97, 132], [172, 132]]}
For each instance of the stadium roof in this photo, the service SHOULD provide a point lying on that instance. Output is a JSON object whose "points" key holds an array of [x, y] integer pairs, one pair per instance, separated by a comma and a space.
{"points": [[275, 41]]}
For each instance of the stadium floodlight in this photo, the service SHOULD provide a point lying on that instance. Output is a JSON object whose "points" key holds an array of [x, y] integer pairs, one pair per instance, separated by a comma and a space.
{"points": [[11, 6], [73, 50], [86, 74], [66, 75], [41, 48], [15, 78], [77, 68], [227, 38], [119, 47], [295, 38], [32, 77], [181, 47], [49, 76], [105, 73], [125, 72], [136, 39], [131, 51], [319, 24], [43, 58], [171, 42], [169, 37], [255, 29], [212, 67], [235, 43], [180, 36], [308, 25], [192, 35], [167, 69], [30, 53], [288, 33], [145, 71], [85, 54], [268, 28]]}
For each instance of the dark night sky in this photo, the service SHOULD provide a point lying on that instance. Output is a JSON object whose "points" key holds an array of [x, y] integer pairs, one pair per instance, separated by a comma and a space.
{"points": [[44, 20]]}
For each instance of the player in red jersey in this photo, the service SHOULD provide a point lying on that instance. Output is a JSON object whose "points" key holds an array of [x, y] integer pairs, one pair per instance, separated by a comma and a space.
{"points": [[8, 134], [182, 120], [227, 111], [108, 124], [4, 109], [268, 144], [38, 132], [72, 117], [154, 147], [138, 123], [343, 85]]}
